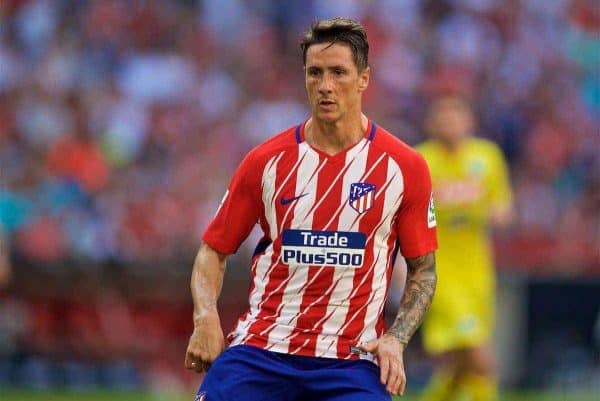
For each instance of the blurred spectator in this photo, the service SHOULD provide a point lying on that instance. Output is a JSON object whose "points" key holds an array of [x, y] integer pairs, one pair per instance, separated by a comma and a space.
{"points": [[5, 266]]}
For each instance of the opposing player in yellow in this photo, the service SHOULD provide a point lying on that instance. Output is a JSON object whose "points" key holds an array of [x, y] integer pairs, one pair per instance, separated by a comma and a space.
{"points": [[472, 193]]}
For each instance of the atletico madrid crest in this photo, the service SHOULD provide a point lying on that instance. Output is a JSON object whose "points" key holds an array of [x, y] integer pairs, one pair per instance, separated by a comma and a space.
{"points": [[362, 196]]}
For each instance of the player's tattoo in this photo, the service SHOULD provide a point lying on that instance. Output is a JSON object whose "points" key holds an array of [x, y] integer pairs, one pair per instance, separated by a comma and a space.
{"points": [[420, 286]]}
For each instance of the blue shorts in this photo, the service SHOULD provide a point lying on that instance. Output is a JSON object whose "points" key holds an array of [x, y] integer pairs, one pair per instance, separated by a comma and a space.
{"points": [[246, 373]]}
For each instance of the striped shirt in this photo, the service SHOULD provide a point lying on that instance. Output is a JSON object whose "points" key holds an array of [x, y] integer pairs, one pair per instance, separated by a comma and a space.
{"points": [[333, 225]]}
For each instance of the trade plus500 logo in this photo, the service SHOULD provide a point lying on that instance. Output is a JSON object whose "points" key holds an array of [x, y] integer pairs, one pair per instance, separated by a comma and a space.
{"points": [[323, 248]]}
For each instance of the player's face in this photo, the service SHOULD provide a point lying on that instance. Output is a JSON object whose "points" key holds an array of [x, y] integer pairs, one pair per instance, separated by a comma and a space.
{"points": [[451, 121], [333, 82]]}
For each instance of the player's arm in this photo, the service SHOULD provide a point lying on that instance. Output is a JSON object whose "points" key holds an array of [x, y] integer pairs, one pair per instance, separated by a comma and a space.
{"points": [[420, 285], [238, 213], [207, 340], [421, 279], [502, 212]]}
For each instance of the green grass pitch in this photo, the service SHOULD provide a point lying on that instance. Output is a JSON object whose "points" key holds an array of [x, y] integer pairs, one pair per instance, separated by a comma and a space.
{"points": [[25, 395]]}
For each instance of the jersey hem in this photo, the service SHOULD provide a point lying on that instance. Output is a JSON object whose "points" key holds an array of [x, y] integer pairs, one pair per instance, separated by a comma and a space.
{"points": [[221, 248], [282, 347]]}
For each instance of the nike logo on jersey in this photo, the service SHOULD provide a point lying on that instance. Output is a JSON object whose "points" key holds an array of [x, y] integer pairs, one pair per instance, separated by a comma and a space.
{"points": [[285, 201]]}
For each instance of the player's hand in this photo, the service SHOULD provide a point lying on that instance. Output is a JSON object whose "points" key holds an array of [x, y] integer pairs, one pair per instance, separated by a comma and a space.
{"points": [[389, 350], [206, 343]]}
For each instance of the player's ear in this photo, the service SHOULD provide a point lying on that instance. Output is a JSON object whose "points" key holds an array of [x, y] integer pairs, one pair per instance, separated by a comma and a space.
{"points": [[363, 79]]}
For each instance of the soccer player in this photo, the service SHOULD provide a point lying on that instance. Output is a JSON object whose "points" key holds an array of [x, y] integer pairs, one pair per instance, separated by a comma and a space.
{"points": [[472, 192], [337, 197]]}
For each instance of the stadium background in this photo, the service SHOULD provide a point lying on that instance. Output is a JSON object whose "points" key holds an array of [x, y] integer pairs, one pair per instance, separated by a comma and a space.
{"points": [[122, 121]]}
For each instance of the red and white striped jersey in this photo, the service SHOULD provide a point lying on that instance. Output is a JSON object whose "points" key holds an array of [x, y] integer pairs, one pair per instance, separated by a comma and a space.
{"points": [[332, 228]]}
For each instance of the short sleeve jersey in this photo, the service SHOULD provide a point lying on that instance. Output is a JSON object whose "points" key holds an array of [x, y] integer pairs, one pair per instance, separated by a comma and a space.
{"points": [[333, 225], [468, 184]]}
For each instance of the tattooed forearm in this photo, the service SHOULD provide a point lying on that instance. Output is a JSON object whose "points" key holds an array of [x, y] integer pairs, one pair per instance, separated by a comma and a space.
{"points": [[420, 286]]}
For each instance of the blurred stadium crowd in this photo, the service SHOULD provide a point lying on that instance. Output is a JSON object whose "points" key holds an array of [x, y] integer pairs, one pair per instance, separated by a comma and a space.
{"points": [[121, 123]]}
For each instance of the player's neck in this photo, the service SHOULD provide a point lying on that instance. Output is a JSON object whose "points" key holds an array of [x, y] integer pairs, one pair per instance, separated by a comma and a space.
{"points": [[333, 138], [452, 146]]}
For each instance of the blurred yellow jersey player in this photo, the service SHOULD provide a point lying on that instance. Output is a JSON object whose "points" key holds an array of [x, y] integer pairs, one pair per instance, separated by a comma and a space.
{"points": [[472, 193]]}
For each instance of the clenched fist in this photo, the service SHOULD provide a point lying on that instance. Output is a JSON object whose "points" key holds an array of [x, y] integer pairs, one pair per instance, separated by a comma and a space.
{"points": [[206, 343]]}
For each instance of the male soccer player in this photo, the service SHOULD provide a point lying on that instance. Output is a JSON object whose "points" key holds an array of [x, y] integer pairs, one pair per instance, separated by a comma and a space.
{"points": [[336, 197], [471, 188]]}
